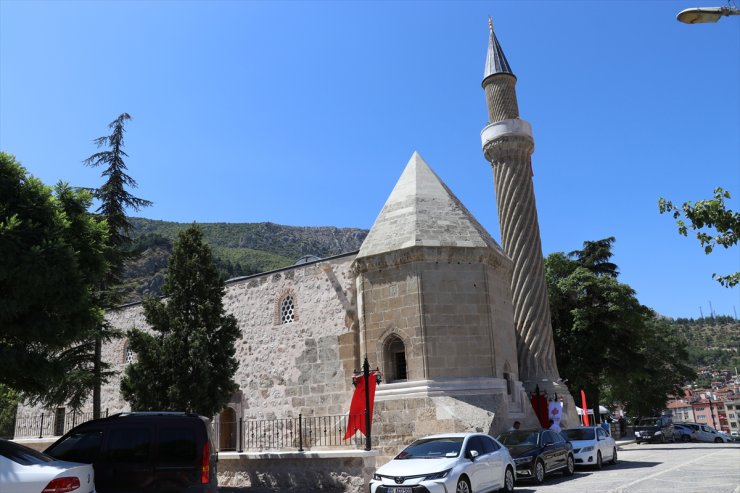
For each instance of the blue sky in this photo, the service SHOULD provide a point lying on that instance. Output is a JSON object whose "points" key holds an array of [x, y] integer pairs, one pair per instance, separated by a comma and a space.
{"points": [[305, 113]]}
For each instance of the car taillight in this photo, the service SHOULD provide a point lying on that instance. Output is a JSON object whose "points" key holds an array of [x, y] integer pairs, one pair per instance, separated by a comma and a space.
{"points": [[62, 485], [205, 467]]}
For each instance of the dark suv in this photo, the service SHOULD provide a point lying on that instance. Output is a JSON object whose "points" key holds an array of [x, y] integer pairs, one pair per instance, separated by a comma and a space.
{"points": [[145, 452], [658, 429]]}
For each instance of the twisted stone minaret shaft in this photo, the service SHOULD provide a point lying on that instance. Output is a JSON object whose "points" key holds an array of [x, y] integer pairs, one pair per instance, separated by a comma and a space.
{"points": [[508, 146]]}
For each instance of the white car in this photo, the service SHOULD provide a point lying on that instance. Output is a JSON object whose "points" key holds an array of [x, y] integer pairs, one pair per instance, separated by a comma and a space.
{"points": [[24, 470], [454, 462], [591, 445]]}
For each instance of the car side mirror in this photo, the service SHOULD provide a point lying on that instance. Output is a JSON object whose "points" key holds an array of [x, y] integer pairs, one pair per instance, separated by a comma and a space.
{"points": [[473, 454]]}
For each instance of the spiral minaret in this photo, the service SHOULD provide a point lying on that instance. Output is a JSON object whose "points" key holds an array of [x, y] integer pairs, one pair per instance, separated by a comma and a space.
{"points": [[508, 146]]}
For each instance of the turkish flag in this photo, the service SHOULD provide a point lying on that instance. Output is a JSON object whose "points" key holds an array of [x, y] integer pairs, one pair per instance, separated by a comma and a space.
{"points": [[356, 419]]}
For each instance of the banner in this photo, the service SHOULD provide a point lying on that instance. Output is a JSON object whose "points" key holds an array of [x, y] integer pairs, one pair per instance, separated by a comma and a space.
{"points": [[356, 418], [585, 408], [539, 404], [555, 409]]}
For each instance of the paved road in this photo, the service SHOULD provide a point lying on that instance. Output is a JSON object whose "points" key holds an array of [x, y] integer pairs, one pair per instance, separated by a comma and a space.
{"points": [[655, 468]]}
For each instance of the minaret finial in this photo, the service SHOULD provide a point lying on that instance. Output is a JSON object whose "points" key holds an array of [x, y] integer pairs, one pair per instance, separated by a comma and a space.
{"points": [[490, 24]]}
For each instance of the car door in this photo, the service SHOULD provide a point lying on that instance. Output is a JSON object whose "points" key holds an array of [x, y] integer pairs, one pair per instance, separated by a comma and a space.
{"points": [[601, 443], [477, 469], [127, 463], [551, 452], [495, 463]]}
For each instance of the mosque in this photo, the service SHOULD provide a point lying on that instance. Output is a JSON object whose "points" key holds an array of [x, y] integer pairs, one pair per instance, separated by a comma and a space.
{"points": [[458, 324]]}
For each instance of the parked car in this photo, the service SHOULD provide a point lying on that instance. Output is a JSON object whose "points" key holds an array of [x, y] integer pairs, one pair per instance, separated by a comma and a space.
{"points": [[537, 453], [24, 470], [705, 433], [147, 452], [591, 445], [654, 429], [455, 462], [683, 432]]}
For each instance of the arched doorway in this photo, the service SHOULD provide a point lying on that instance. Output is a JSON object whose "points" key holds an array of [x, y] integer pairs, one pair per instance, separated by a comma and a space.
{"points": [[394, 356], [227, 429]]}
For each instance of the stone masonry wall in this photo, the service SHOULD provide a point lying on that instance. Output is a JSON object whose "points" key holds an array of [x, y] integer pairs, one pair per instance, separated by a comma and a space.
{"points": [[304, 366]]}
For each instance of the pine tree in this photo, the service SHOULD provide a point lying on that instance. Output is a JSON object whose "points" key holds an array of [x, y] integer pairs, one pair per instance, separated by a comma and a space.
{"points": [[114, 200], [188, 362]]}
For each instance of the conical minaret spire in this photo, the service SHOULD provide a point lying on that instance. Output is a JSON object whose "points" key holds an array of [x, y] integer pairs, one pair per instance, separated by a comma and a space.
{"points": [[508, 145]]}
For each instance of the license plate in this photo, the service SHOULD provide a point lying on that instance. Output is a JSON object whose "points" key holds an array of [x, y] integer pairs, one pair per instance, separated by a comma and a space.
{"points": [[399, 489]]}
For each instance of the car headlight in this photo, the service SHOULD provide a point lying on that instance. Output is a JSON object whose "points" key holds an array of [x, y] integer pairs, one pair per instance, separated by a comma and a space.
{"points": [[377, 477], [438, 475], [523, 460], [588, 449], [658, 432]]}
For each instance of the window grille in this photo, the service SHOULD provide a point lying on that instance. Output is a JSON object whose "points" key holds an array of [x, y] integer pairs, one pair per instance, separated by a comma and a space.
{"points": [[287, 310]]}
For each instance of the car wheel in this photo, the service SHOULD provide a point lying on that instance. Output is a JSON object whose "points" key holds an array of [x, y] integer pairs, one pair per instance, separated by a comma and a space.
{"points": [[463, 486], [614, 455], [639, 442], [684, 438], [717, 440], [570, 466], [599, 462], [508, 481], [539, 471]]}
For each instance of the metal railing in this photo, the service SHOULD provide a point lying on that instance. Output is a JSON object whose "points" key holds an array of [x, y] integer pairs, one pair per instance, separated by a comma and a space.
{"points": [[49, 424], [301, 433]]}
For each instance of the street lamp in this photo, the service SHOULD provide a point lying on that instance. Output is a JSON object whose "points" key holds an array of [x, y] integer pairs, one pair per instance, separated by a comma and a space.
{"points": [[702, 15]]}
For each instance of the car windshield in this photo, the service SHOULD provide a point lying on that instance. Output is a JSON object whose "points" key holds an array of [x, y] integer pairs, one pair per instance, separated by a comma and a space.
{"points": [[648, 422], [22, 455], [519, 438], [433, 448], [580, 434]]}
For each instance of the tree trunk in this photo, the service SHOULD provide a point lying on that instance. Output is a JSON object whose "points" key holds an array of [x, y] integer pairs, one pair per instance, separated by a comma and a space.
{"points": [[96, 375]]}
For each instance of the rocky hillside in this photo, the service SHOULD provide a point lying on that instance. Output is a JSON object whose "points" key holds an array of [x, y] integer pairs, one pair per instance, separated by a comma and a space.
{"points": [[711, 341], [240, 249]]}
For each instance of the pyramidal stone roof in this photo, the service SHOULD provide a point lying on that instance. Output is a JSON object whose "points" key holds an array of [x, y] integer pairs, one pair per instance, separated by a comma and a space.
{"points": [[422, 212]]}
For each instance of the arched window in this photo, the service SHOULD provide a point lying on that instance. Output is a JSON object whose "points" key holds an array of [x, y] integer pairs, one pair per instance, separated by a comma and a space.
{"points": [[394, 356], [287, 310], [128, 353]]}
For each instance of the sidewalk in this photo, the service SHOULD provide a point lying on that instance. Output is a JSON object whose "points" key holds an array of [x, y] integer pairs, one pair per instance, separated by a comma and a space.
{"points": [[628, 438]]}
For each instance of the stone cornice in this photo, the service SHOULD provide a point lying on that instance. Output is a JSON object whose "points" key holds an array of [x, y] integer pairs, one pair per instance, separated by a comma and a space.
{"points": [[449, 255]]}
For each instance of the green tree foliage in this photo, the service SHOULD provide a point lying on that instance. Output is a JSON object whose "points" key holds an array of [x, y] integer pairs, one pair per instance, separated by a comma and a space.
{"points": [[188, 362], [601, 330], [715, 225], [114, 200], [645, 389], [52, 258], [8, 407]]}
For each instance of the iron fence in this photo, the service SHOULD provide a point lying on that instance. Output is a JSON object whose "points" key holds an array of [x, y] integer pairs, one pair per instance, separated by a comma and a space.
{"points": [[301, 433], [49, 424]]}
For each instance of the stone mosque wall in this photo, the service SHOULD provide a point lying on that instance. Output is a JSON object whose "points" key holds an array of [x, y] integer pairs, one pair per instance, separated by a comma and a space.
{"points": [[297, 349]]}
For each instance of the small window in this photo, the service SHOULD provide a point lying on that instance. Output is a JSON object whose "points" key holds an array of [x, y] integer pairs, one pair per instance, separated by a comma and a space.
{"points": [[129, 356], [78, 447], [177, 445], [130, 446], [287, 310]]}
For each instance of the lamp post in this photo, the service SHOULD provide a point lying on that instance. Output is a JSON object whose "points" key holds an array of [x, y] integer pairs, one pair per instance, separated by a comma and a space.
{"points": [[368, 417], [702, 15]]}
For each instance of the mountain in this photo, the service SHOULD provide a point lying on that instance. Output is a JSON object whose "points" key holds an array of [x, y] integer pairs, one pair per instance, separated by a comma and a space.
{"points": [[711, 341], [239, 249]]}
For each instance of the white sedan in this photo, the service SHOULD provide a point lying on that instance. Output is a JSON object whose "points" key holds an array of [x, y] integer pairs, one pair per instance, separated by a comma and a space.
{"points": [[454, 462], [24, 470], [591, 445]]}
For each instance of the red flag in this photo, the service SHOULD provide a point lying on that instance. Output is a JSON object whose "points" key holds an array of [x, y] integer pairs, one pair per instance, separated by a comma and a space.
{"points": [[539, 404], [356, 419], [585, 408]]}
